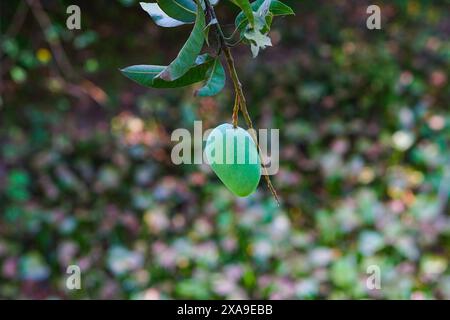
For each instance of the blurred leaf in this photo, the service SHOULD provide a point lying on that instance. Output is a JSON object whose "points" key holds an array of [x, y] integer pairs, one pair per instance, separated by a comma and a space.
{"points": [[33, 267], [17, 186], [18, 74], [121, 260], [249, 278], [344, 272], [85, 39], [370, 242], [191, 289], [91, 65], [10, 47]]}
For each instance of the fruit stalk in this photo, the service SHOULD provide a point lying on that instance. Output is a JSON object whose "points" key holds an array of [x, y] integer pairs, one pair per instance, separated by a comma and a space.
{"points": [[240, 97], [235, 116]]}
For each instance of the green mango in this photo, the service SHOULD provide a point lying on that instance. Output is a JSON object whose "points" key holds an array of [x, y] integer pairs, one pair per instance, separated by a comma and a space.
{"points": [[233, 156]]}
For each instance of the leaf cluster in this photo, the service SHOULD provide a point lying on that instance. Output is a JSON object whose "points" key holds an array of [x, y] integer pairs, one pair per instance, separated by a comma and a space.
{"points": [[252, 24]]}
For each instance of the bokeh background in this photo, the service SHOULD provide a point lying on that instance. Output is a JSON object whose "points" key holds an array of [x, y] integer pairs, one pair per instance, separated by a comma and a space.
{"points": [[86, 176]]}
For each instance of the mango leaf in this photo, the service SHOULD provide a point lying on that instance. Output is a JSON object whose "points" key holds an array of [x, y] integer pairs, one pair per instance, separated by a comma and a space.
{"points": [[246, 10], [182, 10], [191, 49], [277, 8], [146, 75], [215, 81], [159, 16]]}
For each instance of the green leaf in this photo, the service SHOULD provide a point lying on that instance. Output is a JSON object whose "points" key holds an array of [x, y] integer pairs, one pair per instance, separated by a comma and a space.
{"points": [[159, 16], [182, 10], [246, 10], [215, 81], [277, 8], [191, 49], [146, 75]]}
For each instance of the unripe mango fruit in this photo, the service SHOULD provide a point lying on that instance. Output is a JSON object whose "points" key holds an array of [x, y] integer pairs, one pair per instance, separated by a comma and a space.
{"points": [[233, 156]]}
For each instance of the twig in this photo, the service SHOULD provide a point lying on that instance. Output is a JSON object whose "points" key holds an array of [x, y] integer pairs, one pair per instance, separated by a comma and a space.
{"points": [[55, 45], [239, 93], [235, 116], [15, 26], [17, 21], [86, 87]]}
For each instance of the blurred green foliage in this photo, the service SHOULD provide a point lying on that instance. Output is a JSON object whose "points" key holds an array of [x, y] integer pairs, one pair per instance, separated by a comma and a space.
{"points": [[86, 176]]}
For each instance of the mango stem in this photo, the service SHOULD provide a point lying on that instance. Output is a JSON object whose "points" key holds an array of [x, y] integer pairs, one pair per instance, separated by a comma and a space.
{"points": [[235, 117]]}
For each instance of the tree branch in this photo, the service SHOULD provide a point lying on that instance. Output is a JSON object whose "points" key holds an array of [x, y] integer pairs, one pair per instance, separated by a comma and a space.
{"points": [[75, 84]]}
